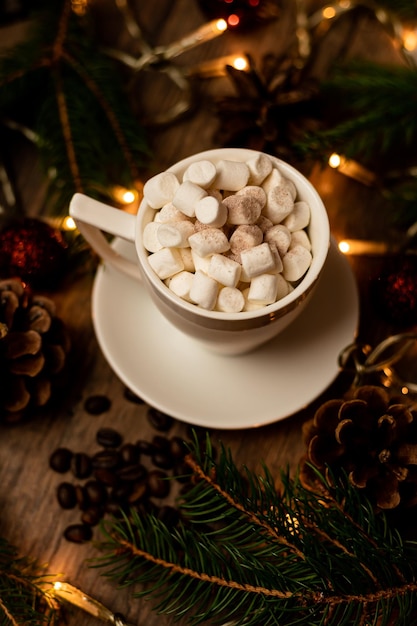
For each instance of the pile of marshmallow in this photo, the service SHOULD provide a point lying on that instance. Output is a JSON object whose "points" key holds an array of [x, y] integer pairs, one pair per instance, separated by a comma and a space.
{"points": [[229, 236]]}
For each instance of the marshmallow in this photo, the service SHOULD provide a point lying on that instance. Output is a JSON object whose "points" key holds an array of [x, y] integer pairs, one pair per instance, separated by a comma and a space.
{"points": [[250, 305], [299, 217], [181, 283], [224, 270], [230, 300], [254, 192], [166, 262], [263, 289], [175, 235], [258, 260], [264, 223], [209, 241], [186, 197], [201, 173], [187, 259], [244, 237], [300, 237], [283, 288], [242, 209], [260, 167], [169, 213], [295, 263], [231, 175], [201, 263], [209, 210], [274, 179], [150, 237], [280, 236], [160, 189], [291, 187], [204, 290], [279, 203]]}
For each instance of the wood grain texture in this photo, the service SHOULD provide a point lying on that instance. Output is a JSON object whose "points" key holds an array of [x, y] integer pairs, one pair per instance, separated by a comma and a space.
{"points": [[31, 518]]}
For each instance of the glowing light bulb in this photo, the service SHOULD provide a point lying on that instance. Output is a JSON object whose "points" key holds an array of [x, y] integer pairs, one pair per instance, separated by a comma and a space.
{"points": [[335, 160], [328, 13], [221, 25], [410, 40], [233, 20], [68, 223], [240, 63], [344, 247]]}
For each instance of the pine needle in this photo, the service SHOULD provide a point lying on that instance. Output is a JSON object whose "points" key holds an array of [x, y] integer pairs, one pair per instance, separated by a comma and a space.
{"points": [[250, 555]]}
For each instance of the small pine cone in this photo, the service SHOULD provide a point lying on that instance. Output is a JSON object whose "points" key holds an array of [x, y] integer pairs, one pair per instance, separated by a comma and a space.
{"points": [[34, 345], [372, 439]]}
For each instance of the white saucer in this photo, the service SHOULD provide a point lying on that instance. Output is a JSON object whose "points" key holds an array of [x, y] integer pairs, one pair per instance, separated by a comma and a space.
{"points": [[174, 374]]}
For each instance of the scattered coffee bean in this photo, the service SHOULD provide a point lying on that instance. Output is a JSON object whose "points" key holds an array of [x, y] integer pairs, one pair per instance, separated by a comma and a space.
{"points": [[138, 492], [81, 465], [178, 448], [60, 460], [96, 491], [106, 476], [108, 438], [163, 460], [106, 459], [132, 397], [95, 405], [66, 495], [158, 484], [130, 453], [160, 421], [146, 447], [161, 443], [82, 497], [78, 533], [132, 473], [92, 515]]}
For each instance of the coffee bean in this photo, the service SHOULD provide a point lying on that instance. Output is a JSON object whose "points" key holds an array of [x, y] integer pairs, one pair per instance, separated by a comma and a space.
{"points": [[161, 443], [95, 405], [163, 460], [66, 495], [158, 484], [96, 491], [178, 447], [131, 473], [78, 533], [83, 500], [129, 453], [138, 493], [160, 421], [132, 397], [112, 506], [106, 476], [106, 459], [60, 460], [145, 447], [121, 492], [92, 515], [108, 438], [81, 465]]}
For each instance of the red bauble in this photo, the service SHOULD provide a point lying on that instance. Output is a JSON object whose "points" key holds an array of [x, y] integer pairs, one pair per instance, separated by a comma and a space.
{"points": [[396, 292], [33, 251]]}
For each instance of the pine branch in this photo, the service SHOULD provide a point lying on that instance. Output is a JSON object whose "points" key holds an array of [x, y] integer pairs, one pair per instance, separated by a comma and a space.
{"points": [[87, 133], [376, 113], [23, 599], [246, 553]]}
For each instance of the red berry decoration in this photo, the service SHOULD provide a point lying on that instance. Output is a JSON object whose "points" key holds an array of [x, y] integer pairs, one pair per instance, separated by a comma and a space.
{"points": [[396, 292], [33, 251]]}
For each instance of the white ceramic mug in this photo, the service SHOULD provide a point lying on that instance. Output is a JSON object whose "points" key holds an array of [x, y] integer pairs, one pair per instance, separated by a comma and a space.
{"points": [[225, 333]]}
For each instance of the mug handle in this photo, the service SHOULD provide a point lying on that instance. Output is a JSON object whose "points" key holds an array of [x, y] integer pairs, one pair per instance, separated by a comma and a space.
{"points": [[92, 217]]}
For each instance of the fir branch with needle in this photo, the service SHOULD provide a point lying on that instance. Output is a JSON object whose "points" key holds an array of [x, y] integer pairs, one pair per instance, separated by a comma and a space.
{"points": [[59, 84], [24, 597], [246, 553]]}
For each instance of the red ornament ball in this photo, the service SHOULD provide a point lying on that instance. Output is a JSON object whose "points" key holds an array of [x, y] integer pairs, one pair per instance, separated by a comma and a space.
{"points": [[242, 14], [32, 250], [396, 292]]}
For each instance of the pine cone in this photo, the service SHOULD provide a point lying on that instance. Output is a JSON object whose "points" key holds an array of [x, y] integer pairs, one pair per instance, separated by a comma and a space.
{"points": [[33, 348], [370, 437]]}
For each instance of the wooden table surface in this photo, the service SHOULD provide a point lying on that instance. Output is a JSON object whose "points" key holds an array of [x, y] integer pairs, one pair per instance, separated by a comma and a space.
{"points": [[31, 518]]}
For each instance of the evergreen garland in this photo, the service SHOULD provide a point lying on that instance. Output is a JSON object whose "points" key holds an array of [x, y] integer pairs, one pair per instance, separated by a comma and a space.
{"points": [[23, 598], [86, 133], [248, 554]]}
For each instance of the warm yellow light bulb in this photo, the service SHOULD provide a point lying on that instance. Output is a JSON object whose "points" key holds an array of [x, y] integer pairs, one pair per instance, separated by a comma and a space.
{"points": [[69, 223], [328, 13], [410, 40], [335, 160], [128, 197], [344, 247], [240, 63], [221, 25]]}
